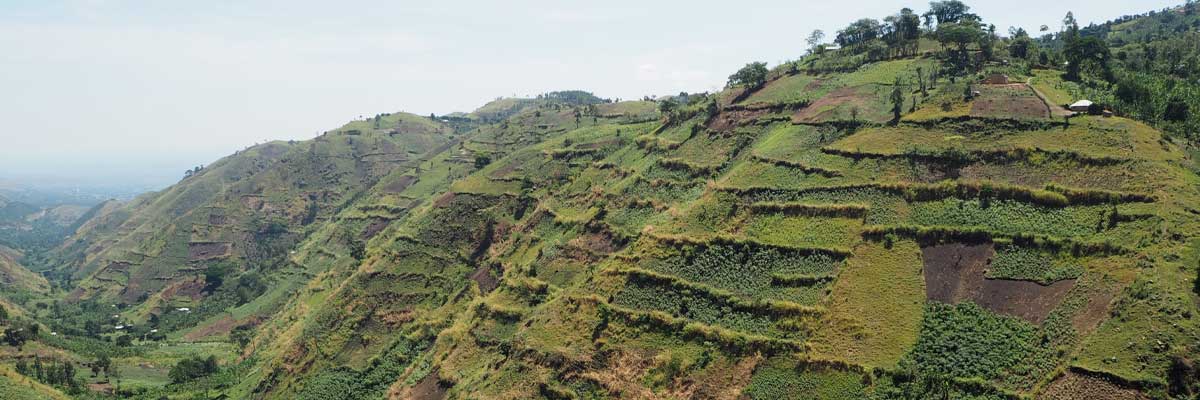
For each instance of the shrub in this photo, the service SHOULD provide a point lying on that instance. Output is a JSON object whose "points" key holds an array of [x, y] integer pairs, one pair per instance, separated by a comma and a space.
{"points": [[193, 368]]}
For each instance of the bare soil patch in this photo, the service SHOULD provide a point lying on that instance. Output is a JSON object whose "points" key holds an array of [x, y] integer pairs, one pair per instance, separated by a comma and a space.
{"points": [[217, 219], [192, 289], [838, 105], [1078, 386], [198, 251], [1095, 312], [373, 228], [444, 200], [955, 273], [726, 120], [430, 388], [253, 202], [221, 327], [400, 184], [483, 276], [1009, 101], [506, 170]]}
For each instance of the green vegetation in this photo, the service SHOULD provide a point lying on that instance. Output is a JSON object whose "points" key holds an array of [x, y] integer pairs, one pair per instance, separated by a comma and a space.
{"points": [[781, 238]]}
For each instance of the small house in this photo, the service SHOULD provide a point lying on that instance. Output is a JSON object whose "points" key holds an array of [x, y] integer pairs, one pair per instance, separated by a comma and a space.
{"points": [[1081, 106]]}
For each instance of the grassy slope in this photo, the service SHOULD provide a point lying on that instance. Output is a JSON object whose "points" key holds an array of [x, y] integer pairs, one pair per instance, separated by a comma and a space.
{"points": [[608, 256]]}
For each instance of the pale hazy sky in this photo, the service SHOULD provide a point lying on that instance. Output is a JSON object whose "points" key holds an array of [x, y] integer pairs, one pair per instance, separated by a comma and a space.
{"points": [[136, 91]]}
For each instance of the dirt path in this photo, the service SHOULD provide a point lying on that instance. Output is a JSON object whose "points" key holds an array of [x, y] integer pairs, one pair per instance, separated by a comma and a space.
{"points": [[1055, 111]]}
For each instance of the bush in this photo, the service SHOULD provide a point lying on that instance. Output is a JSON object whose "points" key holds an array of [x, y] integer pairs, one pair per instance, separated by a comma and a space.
{"points": [[482, 160], [193, 368], [752, 75]]}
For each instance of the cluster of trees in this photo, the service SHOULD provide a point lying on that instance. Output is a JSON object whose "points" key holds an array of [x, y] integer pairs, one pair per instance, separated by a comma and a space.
{"points": [[192, 368], [573, 97], [58, 374], [752, 75], [1148, 70], [193, 171], [950, 22], [17, 333]]}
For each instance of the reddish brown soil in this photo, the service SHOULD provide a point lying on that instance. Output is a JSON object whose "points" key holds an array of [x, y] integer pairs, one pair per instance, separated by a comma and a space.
{"points": [[726, 120], [483, 276], [430, 388], [1015, 100], [596, 242], [598, 144], [217, 219], [118, 266], [996, 79], [444, 200], [221, 327], [373, 228], [192, 289], [1077, 386], [507, 169], [955, 273], [837, 105], [208, 250], [1095, 312], [400, 184], [253, 202]]}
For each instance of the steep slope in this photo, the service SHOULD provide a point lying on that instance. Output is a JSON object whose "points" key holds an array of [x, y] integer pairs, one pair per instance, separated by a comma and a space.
{"points": [[15, 278], [855, 224], [769, 243], [237, 217]]}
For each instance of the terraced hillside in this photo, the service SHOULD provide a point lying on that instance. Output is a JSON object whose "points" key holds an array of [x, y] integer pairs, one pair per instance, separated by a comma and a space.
{"points": [[737, 250], [835, 231]]}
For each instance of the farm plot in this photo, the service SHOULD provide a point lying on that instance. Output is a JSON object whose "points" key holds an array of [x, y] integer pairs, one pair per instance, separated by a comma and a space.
{"points": [[1008, 101], [782, 379], [954, 273], [1012, 217], [883, 208], [874, 309], [790, 89], [751, 271], [867, 102], [803, 231], [701, 307]]}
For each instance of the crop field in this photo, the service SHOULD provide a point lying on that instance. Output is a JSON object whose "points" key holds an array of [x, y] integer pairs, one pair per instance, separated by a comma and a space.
{"points": [[702, 308], [1011, 101], [867, 102], [944, 103], [805, 232], [782, 379], [790, 89], [886, 72], [875, 307], [795, 244], [1023, 263], [1012, 217], [883, 208], [967, 341], [752, 271]]}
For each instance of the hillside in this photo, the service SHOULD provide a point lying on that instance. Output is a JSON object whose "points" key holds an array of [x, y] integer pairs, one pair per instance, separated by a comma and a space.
{"points": [[895, 219]]}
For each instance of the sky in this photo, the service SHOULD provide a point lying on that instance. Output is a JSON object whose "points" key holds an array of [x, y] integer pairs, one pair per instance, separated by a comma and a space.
{"points": [[135, 92]]}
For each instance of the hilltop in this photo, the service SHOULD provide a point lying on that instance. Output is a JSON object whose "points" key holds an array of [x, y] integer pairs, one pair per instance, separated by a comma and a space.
{"points": [[914, 214]]}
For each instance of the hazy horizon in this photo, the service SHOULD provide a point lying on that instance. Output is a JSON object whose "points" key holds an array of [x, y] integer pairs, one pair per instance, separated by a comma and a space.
{"points": [[132, 93]]}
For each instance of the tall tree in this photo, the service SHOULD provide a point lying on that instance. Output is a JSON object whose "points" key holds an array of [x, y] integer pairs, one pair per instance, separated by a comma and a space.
{"points": [[860, 31], [815, 40], [897, 100], [752, 75], [948, 11]]}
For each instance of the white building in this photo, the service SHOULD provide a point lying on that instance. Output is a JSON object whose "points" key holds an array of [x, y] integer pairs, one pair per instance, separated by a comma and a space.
{"points": [[1081, 106]]}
